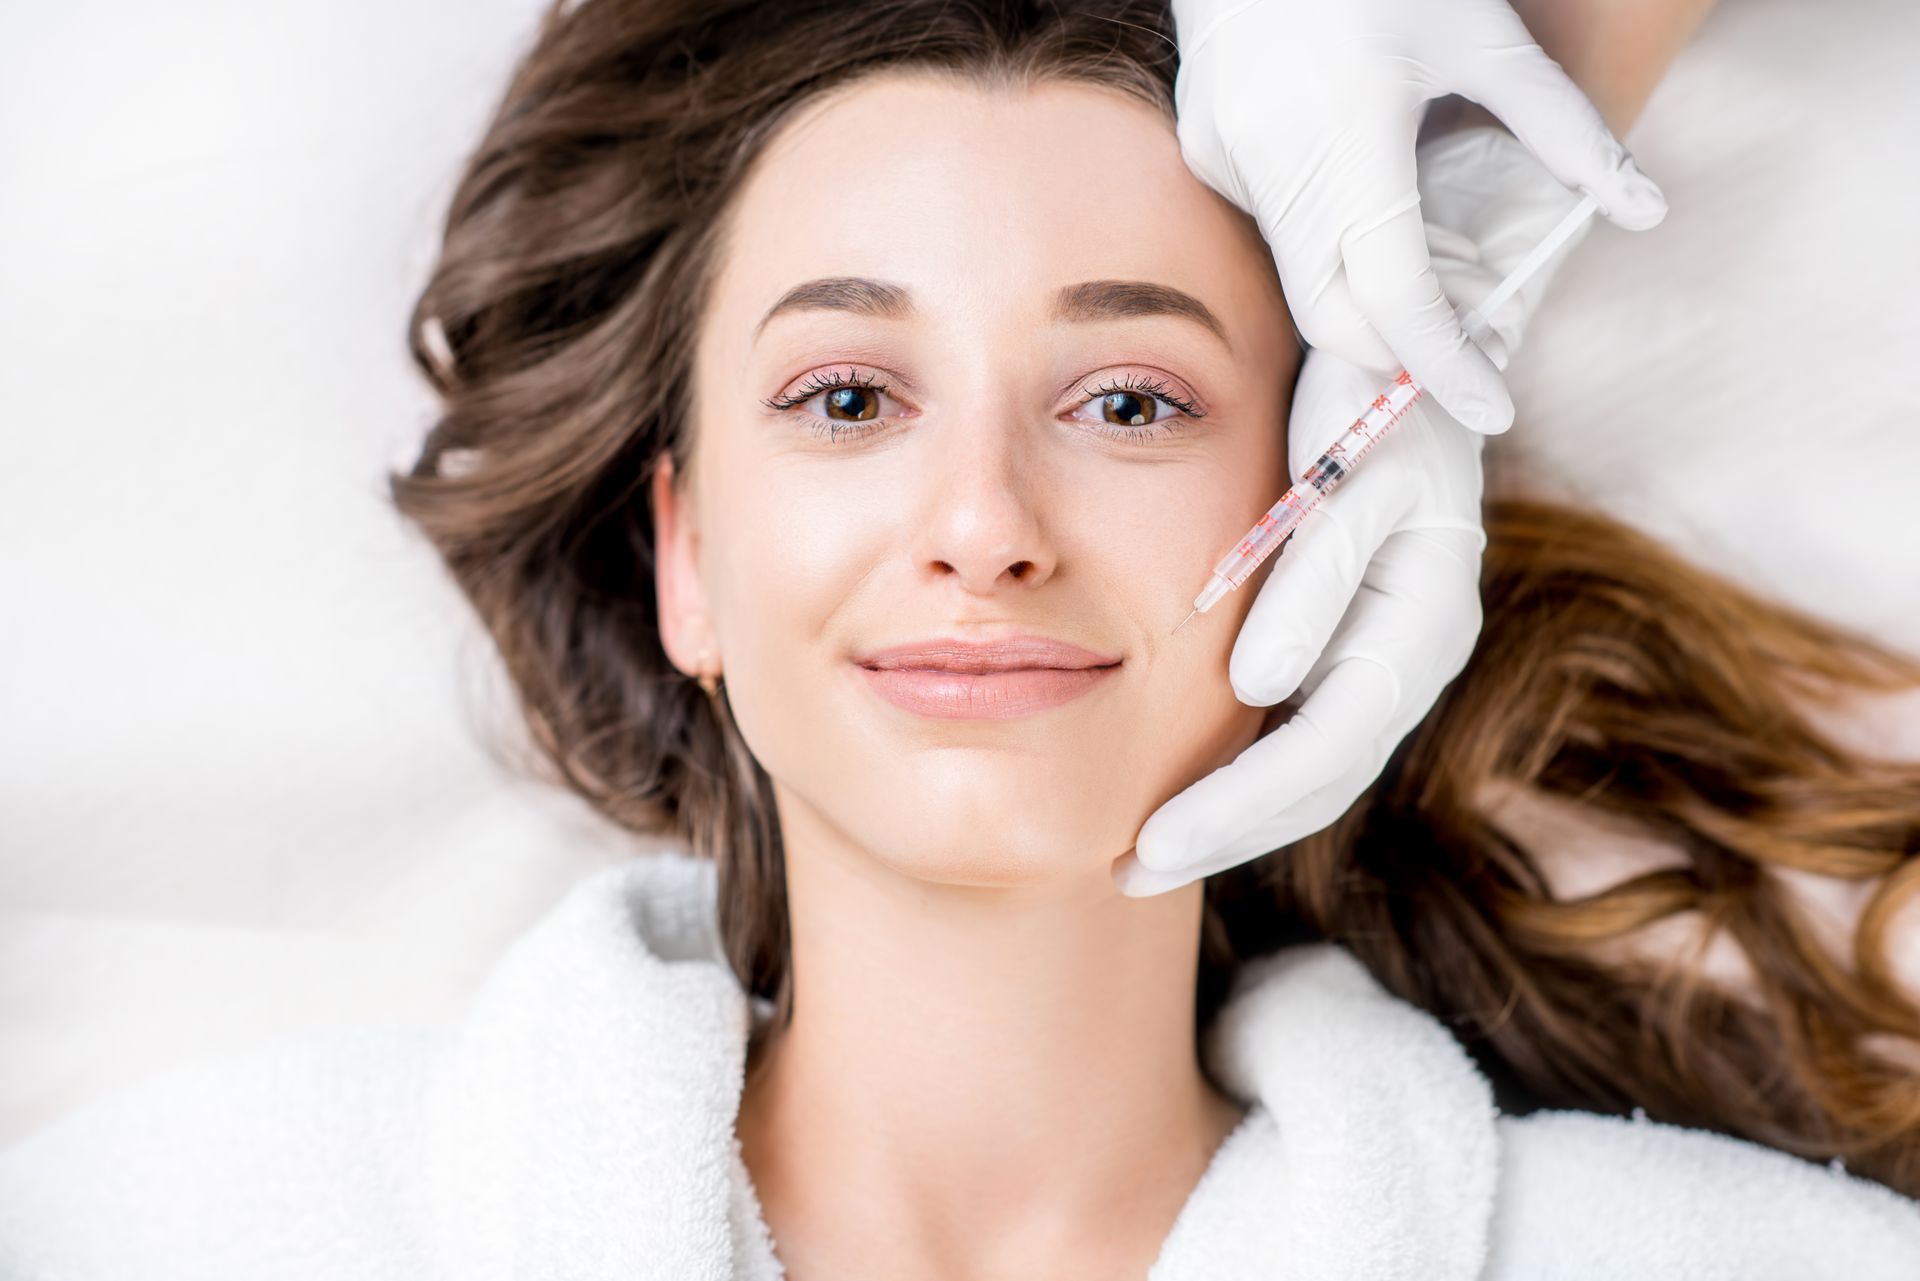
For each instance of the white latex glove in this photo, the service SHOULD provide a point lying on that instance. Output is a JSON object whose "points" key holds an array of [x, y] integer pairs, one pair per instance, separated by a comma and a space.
{"points": [[1374, 604], [1304, 113]]}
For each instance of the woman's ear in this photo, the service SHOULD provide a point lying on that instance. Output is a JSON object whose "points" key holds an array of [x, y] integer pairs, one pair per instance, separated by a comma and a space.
{"points": [[686, 629]]}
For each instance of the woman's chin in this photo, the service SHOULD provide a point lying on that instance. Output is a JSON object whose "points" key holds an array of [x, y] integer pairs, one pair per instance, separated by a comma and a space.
{"points": [[959, 848]]}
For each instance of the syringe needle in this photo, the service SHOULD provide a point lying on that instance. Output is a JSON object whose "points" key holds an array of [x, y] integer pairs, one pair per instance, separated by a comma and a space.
{"points": [[1183, 622]]}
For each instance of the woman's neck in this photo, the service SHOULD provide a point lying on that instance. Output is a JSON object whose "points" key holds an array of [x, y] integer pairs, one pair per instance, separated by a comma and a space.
{"points": [[977, 1081]]}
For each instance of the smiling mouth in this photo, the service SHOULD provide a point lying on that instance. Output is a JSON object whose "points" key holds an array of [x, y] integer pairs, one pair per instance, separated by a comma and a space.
{"points": [[1007, 694]]}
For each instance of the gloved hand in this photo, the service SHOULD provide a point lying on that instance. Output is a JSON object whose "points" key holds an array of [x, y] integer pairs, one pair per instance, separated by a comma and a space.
{"points": [[1374, 605], [1304, 113]]}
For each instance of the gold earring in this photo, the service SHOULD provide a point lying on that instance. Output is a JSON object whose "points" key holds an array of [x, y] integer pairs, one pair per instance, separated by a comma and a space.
{"points": [[708, 681]]}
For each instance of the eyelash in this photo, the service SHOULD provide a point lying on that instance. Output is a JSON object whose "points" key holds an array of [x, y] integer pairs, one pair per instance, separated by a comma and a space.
{"points": [[832, 429]]}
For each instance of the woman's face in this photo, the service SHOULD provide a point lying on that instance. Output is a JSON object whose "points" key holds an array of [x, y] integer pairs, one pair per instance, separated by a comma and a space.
{"points": [[984, 428]]}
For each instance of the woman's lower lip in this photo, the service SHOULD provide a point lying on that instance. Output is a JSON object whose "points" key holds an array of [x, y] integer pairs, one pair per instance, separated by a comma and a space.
{"points": [[984, 695]]}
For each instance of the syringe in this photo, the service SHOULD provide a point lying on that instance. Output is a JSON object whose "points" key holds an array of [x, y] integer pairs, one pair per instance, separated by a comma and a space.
{"points": [[1341, 457]]}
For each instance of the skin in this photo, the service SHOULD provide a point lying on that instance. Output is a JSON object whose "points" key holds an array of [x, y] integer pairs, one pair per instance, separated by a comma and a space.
{"points": [[1617, 51], [991, 1070]]}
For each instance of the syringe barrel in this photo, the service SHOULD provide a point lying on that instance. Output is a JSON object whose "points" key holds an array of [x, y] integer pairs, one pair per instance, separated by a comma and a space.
{"points": [[1319, 480], [1344, 454], [1267, 534]]}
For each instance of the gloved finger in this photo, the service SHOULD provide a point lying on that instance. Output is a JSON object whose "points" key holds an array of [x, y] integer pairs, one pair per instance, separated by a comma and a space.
{"points": [[1309, 266], [1528, 90], [1232, 156], [1328, 318], [1312, 812], [1332, 322], [1379, 184], [1417, 615], [1391, 274], [1314, 579], [1306, 593], [1337, 724]]}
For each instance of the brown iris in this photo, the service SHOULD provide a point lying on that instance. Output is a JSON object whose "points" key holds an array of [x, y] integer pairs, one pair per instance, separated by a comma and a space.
{"points": [[1129, 408], [853, 404]]}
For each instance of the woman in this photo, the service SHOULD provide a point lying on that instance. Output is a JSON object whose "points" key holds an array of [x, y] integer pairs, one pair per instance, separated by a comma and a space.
{"points": [[810, 317]]}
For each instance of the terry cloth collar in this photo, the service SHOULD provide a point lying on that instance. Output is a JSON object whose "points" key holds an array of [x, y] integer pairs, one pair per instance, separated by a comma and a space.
{"points": [[582, 1122]]}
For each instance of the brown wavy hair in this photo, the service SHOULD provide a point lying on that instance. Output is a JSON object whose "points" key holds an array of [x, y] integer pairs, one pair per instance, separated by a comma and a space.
{"points": [[556, 328]]}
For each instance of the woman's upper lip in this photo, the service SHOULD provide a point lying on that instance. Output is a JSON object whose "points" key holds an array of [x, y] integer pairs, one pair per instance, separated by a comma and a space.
{"points": [[1009, 653]]}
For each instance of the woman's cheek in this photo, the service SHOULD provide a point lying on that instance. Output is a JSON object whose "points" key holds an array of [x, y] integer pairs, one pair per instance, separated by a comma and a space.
{"points": [[794, 560]]}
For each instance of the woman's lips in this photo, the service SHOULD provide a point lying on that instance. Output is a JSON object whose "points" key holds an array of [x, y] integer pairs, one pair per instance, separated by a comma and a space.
{"points": [[1001, 695]]}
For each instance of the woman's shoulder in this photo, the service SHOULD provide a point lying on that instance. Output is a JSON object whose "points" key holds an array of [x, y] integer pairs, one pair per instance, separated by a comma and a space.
{"points": [[288, 1159], [1587, 1195]]}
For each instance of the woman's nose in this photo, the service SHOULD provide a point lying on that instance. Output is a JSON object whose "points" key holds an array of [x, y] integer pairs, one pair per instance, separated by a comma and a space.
{"points": [[984, 512]]}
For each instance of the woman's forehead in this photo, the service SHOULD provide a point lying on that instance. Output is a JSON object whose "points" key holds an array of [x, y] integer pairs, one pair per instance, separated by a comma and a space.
{"points": [[962, 189]]}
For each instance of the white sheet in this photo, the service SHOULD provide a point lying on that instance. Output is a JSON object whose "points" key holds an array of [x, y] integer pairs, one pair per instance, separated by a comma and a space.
{"points": [[1739, 379], [235, 744]]}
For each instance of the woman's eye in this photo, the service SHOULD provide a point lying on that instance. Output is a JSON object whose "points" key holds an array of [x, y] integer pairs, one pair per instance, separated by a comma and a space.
{"points": [[1133, 405], [838, 402]]}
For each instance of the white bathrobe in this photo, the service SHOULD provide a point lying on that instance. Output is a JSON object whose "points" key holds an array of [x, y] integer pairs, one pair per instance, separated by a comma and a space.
{"points": [[578, 1124]]}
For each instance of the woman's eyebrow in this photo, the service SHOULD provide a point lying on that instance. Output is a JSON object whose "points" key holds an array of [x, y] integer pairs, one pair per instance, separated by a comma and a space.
{"points": [[1088, 300]]}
